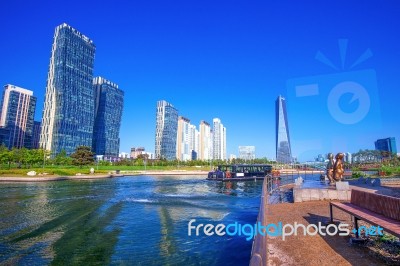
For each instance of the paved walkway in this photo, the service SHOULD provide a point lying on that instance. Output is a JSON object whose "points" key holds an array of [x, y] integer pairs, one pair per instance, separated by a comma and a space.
{"points": [[313, 250]]}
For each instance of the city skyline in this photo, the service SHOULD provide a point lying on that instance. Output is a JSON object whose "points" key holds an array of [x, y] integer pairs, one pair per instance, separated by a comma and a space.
{"points": [[227, 60]]}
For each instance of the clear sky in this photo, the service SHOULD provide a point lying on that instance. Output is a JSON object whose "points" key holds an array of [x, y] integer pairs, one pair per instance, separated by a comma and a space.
{"points": [[228, 59]]}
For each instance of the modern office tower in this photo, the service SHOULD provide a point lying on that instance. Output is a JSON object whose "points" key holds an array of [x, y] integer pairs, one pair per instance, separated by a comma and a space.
{"points": [[166, 130], [247, 152], [36, 134], [219, 140], [388, 144], [109, 102], [283, 148], [183, 151], [205, 141], [69, 107], [17, 114]]}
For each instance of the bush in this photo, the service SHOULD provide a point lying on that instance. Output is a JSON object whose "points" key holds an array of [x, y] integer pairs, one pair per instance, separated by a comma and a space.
{"points": [[357, 174]]}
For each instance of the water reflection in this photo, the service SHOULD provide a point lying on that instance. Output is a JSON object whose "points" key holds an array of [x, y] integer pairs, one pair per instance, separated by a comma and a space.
{"points": [[132, 220]]}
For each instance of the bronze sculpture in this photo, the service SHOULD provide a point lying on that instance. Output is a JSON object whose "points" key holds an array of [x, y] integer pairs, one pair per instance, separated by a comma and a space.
{"points": [[338, 169], [334, 169], [329, 168]]}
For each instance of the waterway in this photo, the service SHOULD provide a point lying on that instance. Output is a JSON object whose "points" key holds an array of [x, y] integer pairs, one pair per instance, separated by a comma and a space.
{"points": [[141, 220]]}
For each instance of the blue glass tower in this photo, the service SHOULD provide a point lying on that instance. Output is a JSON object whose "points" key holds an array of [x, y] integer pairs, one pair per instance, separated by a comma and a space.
{"points": [[68, 115], [166, 130], [109, 105], [283, 148]]}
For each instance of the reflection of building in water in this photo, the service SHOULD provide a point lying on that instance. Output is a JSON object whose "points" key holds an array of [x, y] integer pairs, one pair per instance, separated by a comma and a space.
{"points": [[247, 152], [283, 148]]}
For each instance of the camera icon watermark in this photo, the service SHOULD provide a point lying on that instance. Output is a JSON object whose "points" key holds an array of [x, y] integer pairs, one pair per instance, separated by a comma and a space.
{"points": [[334, 107]]}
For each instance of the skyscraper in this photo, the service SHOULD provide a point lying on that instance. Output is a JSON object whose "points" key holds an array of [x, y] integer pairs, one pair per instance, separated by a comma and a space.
{"points": [[205, 141], [283, 148], [166, 130], [17, 114], [219, 140], [68, 115], [388, 144], [183, 139], [193, 141], [109, 100]]}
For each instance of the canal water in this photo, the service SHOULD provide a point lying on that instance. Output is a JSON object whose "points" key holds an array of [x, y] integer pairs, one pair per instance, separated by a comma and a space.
{"points": [[141, 220]]}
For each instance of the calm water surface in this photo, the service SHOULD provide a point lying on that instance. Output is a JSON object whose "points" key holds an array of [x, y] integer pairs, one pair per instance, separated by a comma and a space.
{"points": [[138, 220]]}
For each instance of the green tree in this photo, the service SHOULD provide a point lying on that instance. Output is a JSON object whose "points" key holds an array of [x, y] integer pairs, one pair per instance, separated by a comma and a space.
{"points": [[62, 158], [82, 156], [5, 155]]}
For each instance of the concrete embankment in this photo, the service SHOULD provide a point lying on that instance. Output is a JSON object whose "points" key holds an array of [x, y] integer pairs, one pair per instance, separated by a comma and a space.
{"points": [[99, 176], [52, 178]]}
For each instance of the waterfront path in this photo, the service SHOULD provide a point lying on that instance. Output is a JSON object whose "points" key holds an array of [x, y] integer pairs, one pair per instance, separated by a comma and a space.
{"points": [[313, 250]]}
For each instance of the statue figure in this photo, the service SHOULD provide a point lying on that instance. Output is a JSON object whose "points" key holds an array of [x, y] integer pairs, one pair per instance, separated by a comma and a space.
{"points": [[338, 168], [329, 168]]}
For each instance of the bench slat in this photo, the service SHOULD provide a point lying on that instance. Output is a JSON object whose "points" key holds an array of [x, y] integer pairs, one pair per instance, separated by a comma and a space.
{"points": [[390, 225], [385, 205]]}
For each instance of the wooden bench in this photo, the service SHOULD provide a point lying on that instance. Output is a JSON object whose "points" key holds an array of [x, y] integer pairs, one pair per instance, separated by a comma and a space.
{"points": [[373, 208]]}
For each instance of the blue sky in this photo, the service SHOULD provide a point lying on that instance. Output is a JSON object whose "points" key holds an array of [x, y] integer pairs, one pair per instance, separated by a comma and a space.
{"points": [[225, 59]]}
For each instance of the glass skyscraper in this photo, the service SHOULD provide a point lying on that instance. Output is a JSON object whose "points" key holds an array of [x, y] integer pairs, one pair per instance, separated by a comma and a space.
{"points": [[68, 115], [109, 105], [17, 114], [283, 148], [166, 130]]}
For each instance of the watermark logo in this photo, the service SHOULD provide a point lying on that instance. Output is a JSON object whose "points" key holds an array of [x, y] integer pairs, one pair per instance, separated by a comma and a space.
{"points": [[346, 100], [277, 230]]}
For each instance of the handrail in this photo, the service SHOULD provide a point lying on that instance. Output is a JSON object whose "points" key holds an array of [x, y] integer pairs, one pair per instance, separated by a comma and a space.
{"points": [[259, 254]]}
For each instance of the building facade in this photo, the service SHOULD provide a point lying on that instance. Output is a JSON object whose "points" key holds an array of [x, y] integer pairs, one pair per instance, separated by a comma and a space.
{"points": [[205, 141], [17, 114], [183, 139], [69, 107], [37, 126], [109, 102], [166, 130], [219, 140], [388, 144], [247, 153], [283, 148], [136, 151]]}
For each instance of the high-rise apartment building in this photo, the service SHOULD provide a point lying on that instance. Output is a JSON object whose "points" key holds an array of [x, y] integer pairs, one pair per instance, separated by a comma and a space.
{"points": [[388, 144], [219, 140], [69, 107], [283, 148], [17, 114], [205, 141], [109, 102], [166, 130], [183, 139], [194, 142]]}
